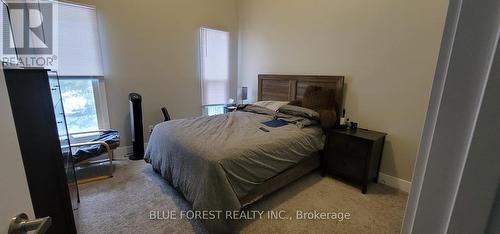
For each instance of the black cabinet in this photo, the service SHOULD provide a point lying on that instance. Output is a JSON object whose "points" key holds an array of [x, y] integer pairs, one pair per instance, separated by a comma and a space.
{"points": [[353, 155], [43, 140]]}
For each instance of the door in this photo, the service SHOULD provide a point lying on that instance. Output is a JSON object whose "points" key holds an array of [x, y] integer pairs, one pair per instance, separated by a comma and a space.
{"points": [[14, 197], [36, 127]]}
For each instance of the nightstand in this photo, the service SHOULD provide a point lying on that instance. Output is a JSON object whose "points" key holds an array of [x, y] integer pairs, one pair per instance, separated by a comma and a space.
{"points": [[353, 155]]}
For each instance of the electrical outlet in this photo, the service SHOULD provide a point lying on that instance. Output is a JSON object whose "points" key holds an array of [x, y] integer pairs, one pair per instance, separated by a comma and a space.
{"points": [[150, 129]]}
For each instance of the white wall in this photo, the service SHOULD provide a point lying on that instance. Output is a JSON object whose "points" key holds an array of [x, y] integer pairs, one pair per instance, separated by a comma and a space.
{"points": [[14, 195], [150, 47], [386, 49]]}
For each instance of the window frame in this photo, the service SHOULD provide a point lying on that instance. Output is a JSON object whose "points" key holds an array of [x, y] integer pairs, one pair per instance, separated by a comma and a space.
{"points": [[200, 67], [98, 81]]}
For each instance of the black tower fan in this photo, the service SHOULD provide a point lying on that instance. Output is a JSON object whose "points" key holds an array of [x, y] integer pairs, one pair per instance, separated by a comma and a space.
{"points": [[137, 130]]}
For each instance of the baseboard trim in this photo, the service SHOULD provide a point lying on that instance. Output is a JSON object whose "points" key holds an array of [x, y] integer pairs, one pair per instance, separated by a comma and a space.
{"points": [[394, 182], [125, 151]]}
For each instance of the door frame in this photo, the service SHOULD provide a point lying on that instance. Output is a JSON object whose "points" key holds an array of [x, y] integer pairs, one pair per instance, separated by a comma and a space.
{"points": [[457, 169]]}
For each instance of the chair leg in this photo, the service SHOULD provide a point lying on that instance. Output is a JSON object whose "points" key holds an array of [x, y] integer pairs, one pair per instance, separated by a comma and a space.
{"points": [[110, 156], [93, 179], [76, 181], [110, 160]]}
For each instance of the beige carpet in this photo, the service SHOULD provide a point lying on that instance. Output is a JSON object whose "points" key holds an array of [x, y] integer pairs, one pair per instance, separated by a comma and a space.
{"points": [[123, 203]]}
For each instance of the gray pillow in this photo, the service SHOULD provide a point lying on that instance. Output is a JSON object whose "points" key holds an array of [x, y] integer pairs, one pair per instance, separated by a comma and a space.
{"points": [[299, 111], [258, 110]]}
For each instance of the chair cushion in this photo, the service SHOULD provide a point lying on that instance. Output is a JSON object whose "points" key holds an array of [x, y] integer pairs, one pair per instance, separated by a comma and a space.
{"points": [[112, 138]]}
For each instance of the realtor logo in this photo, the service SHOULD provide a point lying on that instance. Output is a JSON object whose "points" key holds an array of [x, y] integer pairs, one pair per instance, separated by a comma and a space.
{"points": [[31, 28], [29, 33]]}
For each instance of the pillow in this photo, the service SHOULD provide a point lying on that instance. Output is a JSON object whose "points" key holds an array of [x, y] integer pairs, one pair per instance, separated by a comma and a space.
{"points": [[257, 110], [272, 105], [299, 111]]}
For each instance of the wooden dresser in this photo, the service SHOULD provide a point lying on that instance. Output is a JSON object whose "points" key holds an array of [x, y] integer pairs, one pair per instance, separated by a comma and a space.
{"points": [[353, 155]]}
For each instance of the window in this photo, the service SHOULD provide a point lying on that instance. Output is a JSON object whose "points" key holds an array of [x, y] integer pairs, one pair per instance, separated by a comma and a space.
{"points": [[214, 110], [85, 104], [79, 104], [80, 69], [214, 53]]}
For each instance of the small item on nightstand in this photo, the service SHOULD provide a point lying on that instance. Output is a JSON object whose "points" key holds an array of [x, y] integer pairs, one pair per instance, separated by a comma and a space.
{"points": [[354, 125], [230, 106], [343, 120]]}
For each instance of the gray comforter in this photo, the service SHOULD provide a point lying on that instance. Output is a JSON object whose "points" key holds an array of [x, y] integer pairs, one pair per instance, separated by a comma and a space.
{"points": [[215, 160]]}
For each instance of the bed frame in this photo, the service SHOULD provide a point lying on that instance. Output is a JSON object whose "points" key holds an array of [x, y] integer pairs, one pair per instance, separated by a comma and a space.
{"points": [[291, 88]]}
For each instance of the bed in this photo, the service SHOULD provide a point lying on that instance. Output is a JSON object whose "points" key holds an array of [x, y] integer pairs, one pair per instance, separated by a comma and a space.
{"points": [[225, 162]]}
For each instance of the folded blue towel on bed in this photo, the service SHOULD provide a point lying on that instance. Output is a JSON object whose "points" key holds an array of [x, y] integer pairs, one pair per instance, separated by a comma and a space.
{"points": [[275, 123]]}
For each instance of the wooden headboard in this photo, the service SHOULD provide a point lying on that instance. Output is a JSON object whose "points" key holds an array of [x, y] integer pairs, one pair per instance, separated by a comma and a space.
{"points": [[292, 87]]}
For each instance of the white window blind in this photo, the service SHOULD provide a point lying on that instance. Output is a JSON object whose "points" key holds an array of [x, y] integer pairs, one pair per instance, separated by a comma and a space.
{"points": [[78, 41], [214, 51]]}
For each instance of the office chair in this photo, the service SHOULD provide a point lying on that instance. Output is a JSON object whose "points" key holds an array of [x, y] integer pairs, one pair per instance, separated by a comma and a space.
{"points": [[165, 114]]}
